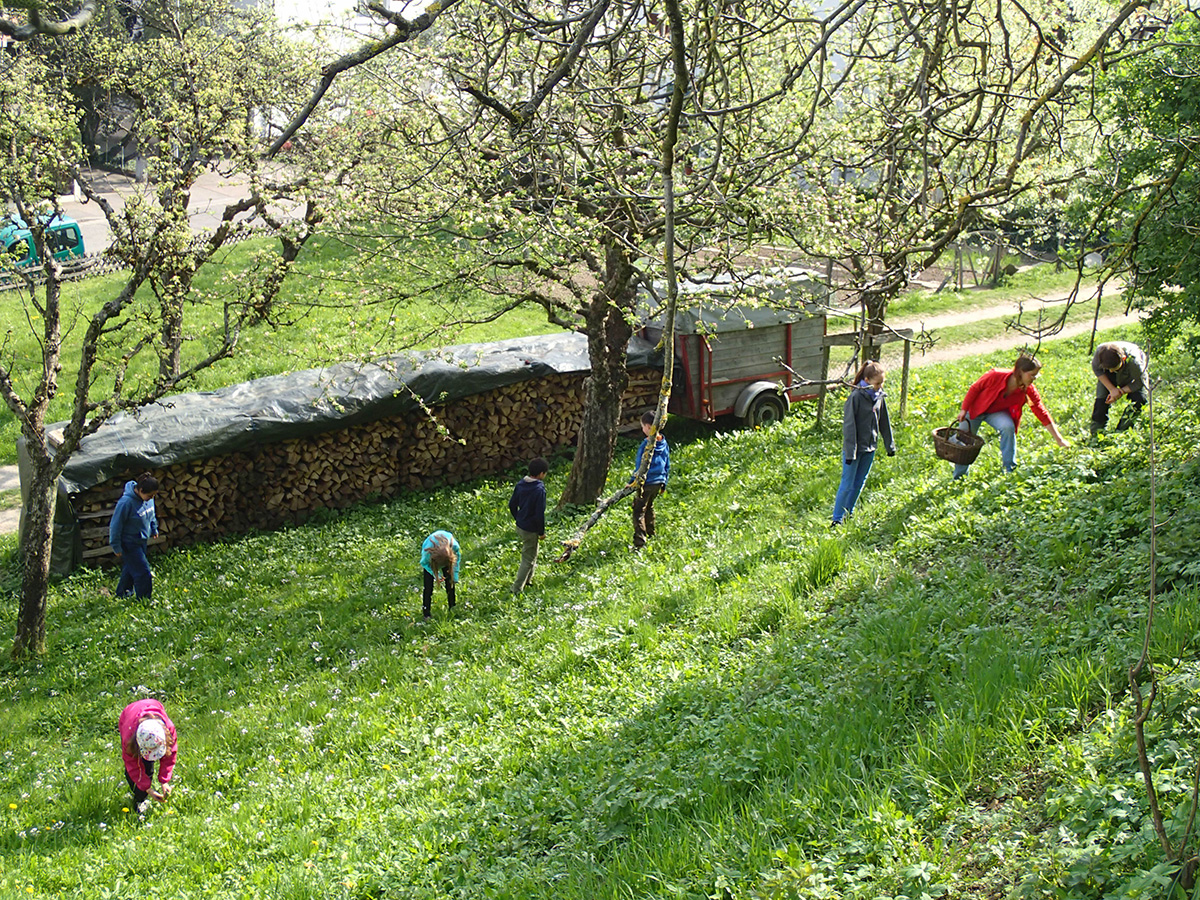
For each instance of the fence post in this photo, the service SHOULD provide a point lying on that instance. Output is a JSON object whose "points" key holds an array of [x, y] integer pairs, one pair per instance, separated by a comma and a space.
{"points": [[823, 389]]}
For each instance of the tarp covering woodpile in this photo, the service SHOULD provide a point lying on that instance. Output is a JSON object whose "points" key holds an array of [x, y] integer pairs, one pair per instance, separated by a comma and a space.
{"points": [[184, 427]]}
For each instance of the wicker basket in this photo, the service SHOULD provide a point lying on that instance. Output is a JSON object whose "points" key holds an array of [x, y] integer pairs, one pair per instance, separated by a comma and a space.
{"points": [[961, 451]]}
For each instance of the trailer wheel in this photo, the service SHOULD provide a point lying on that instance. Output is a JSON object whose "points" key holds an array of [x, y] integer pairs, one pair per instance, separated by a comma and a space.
{"points": [[765, 409]]}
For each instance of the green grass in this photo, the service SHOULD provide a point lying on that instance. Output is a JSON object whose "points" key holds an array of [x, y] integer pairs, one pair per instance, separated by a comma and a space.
{"points": [[928, 702], [1041, 281], [989, 329], [963, 337]]}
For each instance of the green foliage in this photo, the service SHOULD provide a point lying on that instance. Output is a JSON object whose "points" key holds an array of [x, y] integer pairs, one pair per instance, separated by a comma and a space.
{"points": [[928, 702], [1146, 190]]}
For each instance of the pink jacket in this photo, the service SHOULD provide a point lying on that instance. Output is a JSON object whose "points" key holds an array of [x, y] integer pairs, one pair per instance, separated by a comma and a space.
{"points": [[127, 725], [987, 395]]}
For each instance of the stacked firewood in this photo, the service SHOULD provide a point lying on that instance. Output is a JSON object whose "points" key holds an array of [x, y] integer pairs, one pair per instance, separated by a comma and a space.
{"points": [[272, 485]]}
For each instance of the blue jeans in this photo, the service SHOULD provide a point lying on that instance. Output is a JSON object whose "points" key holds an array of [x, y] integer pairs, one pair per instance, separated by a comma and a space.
{"points": [[1004, 424], [135, 571], [854, 476]]}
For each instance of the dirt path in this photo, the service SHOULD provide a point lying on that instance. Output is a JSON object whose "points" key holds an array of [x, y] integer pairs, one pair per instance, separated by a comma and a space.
{"points": [[1030, 309], [1009, 341]]}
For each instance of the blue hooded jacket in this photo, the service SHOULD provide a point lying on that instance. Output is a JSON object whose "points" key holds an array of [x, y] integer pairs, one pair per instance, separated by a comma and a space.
{"points": [[660, 461], [133, 521]]}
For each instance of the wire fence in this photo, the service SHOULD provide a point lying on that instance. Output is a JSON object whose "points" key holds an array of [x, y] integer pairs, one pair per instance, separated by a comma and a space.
{"points": [[92, 265]]}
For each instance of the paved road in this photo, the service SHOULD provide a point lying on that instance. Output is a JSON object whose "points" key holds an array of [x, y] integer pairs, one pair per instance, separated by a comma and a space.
{"points": [[209, 197], [10, 519]]}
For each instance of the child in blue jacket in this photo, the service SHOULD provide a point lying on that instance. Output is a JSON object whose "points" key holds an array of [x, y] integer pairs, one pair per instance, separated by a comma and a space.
{"points": [[528, 507], [133, 524], [655, 484]]}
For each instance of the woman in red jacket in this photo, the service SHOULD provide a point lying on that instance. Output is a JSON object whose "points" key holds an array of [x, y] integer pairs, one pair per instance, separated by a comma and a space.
{"points": [[998, 399]]}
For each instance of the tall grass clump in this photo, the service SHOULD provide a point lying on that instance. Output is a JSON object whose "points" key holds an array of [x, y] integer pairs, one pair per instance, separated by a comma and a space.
{"points": [[929, 701]]}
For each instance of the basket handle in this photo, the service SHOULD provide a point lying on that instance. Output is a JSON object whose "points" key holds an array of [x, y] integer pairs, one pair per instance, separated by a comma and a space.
{"points": [[955, 430]]}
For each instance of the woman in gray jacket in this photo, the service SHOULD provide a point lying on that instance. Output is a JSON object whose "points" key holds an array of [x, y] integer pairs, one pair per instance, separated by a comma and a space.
{"points": [[864, 421]]}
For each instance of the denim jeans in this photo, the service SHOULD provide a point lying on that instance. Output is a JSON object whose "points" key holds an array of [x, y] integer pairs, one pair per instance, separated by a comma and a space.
{"points": [[854, 476], [1004, 424], [135, 571]]}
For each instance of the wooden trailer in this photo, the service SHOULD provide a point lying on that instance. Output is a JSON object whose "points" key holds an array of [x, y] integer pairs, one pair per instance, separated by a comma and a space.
{"points": [[731, 360]]}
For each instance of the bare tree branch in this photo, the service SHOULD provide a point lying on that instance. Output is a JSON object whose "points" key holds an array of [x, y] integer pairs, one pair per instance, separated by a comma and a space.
{"points": [[406, 29]]}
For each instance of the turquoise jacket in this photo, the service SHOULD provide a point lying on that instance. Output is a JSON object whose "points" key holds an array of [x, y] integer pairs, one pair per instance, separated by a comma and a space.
{"points": [[430, 543]]}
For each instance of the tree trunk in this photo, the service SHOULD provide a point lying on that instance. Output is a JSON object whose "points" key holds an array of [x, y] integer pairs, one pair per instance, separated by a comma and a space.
{"points": [[875, 305], [171, 332], [608, 332], [36, 534]]}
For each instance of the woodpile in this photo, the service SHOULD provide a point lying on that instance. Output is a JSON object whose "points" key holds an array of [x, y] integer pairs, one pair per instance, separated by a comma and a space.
{"points": [[273, 485]]}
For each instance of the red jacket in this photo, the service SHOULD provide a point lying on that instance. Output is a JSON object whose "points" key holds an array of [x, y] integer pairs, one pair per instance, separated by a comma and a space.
{"points": [[987, 395], [130, 717]]}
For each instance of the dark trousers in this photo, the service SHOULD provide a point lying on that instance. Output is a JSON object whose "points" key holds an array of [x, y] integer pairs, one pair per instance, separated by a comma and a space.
{"points": [[138, 794], [643, 513], [135, 571], [427, 598], [1100, 411]]}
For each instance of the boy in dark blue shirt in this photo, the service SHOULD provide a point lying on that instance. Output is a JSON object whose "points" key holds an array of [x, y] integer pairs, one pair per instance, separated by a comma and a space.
{"points": [[528, 508]]}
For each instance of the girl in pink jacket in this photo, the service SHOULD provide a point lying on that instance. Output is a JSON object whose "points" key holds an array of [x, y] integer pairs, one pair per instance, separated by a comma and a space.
{"points": [[147, 737]]}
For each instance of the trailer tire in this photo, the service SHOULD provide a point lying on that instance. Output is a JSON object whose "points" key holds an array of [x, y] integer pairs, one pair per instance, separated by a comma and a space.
{"points": [[765, 409]]}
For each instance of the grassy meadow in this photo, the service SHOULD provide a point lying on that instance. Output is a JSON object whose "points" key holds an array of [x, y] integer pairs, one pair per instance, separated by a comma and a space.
{"points": [[929, 702]]}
